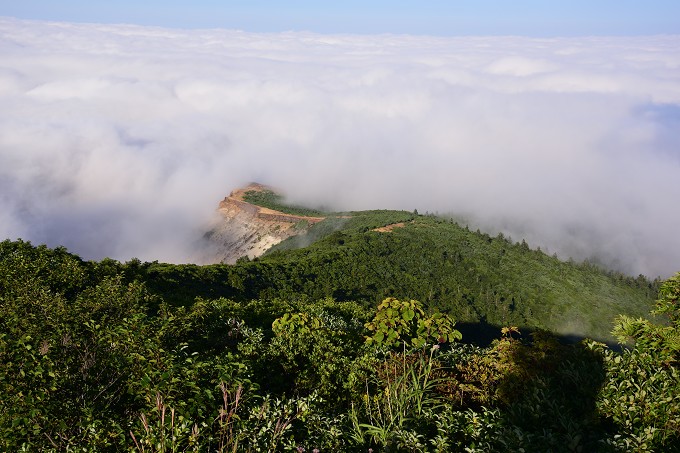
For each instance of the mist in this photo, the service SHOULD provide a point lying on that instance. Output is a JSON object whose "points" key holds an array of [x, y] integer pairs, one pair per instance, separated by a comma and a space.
{"points": [[119, 141]]}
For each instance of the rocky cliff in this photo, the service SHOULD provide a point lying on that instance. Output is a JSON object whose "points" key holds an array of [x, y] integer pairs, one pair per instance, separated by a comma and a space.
{"points": [[243, 229]]}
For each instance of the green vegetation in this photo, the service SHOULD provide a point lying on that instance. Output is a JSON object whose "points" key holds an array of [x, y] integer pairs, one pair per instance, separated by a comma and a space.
{"points": [[340, 339], [272, 200], [398, 322], [475, 278], [94, 359]]}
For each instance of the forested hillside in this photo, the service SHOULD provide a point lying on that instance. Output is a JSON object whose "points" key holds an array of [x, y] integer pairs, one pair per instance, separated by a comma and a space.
{"points": [[94, 359], [480, 280], [346, 338]]}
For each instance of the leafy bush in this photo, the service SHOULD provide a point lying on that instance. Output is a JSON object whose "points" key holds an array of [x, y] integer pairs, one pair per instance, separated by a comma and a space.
{"points": [[641, 396], [398, 322], [72, 373]]}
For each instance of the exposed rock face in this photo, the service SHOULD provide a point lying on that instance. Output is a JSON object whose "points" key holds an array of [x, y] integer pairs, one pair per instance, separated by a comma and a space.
{"points": [[243, 229]]}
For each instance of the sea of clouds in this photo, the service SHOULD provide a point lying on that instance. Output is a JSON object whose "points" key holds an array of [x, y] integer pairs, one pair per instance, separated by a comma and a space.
{"points": [[119, 140]]}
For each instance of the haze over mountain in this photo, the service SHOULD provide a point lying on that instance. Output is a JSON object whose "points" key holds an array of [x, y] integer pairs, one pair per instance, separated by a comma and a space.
{"points": [[120, 140]]}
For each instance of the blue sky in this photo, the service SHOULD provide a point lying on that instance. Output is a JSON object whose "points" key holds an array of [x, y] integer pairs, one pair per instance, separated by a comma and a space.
{"points": [[425, 17]]}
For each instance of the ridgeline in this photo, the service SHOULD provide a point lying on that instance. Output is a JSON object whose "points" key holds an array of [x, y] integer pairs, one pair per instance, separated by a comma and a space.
{"points": [[343, 337]]}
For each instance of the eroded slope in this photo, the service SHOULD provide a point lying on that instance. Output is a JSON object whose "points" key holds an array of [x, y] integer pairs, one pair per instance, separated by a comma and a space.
{"points": [[242, 229]]}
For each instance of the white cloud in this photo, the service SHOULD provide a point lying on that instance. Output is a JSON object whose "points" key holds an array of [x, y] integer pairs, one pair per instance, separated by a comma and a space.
{"points": [[520, 66], [120, 140]]}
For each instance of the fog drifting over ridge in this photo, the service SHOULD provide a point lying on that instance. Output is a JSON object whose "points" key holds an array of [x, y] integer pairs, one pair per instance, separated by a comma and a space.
{"points": [[120, 140]]}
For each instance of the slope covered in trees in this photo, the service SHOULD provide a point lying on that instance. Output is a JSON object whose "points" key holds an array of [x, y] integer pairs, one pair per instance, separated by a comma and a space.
{"points": [[478, 279], [93, 358]]}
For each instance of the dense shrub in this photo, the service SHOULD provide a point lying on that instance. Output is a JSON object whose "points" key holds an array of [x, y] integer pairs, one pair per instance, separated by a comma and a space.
{"points": [[92, 360]]}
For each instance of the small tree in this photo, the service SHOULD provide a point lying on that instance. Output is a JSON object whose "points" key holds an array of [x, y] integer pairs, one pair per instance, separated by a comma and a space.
{"points": [[642, 392], [405, 321], [664, 340]]}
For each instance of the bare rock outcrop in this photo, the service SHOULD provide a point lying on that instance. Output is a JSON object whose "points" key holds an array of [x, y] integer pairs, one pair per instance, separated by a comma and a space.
{"points": [[244, 229]]}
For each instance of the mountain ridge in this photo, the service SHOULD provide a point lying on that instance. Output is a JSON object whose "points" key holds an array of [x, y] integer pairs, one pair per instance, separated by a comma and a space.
{"points": [[243, 229], [365, 256]]}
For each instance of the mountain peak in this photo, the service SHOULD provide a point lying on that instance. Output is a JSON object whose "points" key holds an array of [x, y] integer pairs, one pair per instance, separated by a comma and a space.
{"points": [[244, 228]]}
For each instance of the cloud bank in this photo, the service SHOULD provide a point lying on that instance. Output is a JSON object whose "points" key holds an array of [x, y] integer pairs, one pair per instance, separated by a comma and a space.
{"points": [[120, 140]]}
